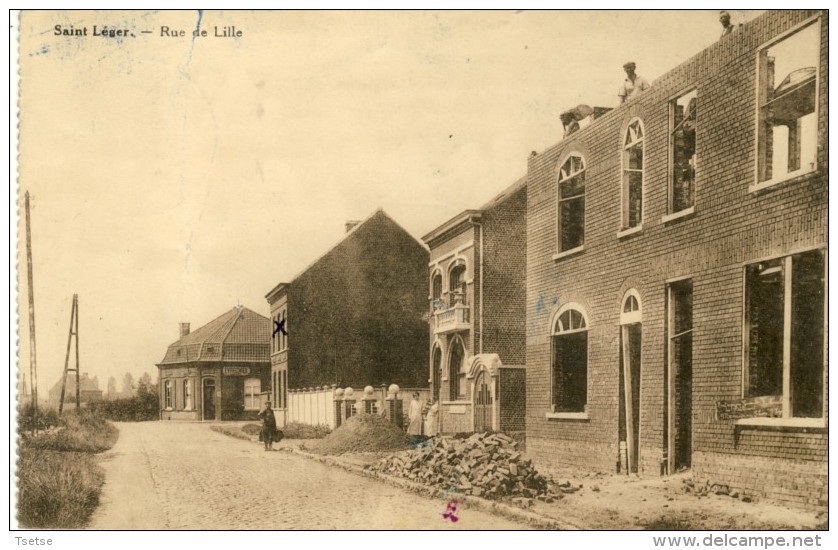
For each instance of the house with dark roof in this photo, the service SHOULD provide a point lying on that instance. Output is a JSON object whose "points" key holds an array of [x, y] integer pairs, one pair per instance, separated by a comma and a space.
{"points": [[218, 372], [476, 302], [89, 391], [355, 317]]}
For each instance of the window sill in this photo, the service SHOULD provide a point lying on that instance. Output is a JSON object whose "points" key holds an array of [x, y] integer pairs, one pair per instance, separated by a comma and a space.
{"points": [[567, 416], [630, 231], [681, 214], [791, 177], [568, 253], [455, 402], [782, 422]]}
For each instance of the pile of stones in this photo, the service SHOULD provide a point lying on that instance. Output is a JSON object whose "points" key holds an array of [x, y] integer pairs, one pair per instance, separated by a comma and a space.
{"points": [[484, 465]]}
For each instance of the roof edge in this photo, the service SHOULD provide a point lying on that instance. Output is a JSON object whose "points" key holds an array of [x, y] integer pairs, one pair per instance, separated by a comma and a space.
{"points": [[462, 217]]}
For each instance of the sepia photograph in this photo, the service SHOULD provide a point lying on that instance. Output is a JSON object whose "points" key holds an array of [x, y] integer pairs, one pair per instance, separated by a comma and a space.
{"points": [[402, 270]]}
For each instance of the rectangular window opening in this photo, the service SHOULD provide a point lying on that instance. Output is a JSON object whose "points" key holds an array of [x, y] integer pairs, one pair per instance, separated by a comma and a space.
{"points": [[785, 300], [788, 78]]}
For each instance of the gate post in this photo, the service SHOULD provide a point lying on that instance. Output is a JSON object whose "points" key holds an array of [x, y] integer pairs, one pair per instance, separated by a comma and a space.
{"points": [[394, 405], [369, 400], [338, 403]]}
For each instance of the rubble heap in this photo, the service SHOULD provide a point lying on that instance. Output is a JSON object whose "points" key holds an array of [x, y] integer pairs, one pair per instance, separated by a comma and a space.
{"points": [[485, 465]]}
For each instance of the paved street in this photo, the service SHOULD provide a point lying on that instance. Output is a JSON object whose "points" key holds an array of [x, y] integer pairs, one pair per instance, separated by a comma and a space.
{"points": [[168, 475]]}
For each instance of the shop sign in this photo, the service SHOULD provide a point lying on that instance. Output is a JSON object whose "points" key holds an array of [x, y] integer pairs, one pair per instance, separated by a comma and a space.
{"points": [[235, 371]]}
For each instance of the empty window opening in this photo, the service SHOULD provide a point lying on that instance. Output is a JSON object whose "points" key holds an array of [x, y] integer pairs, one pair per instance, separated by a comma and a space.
{"points": [[682, 146], [572, 203], [785, 333], [570, 362], [633, 175], [787, 79]]}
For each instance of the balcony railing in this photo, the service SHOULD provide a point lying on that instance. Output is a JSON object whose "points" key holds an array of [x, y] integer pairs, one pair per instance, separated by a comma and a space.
{"points": [[451, 319]]}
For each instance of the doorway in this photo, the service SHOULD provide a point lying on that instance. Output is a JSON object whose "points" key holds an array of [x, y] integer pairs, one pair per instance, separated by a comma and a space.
{"points": [[482, 402], [208, 399], [631, 339], [679, 299]]}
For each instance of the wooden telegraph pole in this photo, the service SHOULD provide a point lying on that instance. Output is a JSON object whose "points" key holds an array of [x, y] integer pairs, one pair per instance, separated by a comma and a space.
{"points": [[74, 331], [33, 366]]}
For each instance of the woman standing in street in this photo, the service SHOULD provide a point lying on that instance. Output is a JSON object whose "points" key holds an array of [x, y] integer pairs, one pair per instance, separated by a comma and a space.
{"points": [[268, 425]]}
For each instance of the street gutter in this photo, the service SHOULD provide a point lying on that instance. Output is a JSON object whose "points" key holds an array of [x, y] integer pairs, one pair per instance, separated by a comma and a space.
{"points": [[529, 518]]}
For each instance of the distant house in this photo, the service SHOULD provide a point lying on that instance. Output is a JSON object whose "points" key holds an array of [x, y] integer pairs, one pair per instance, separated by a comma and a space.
{"points": [[89, 391], [219, 371], [356, 317], [476, 300]]}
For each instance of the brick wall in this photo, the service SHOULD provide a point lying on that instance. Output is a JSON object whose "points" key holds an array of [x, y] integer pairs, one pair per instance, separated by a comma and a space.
{"points": [[504, 273], [356, 317], [513, 399], [731, 226]]}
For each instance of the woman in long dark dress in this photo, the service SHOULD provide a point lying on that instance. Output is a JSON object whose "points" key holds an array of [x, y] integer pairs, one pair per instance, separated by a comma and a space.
{"points": [[268, 426]]}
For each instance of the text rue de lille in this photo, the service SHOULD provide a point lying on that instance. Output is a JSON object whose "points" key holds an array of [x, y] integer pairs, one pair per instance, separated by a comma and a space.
{"points": [[224, 31]]}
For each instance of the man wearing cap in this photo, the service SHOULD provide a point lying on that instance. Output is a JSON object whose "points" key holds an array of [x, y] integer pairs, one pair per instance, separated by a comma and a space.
{"points": [[633, 84]]}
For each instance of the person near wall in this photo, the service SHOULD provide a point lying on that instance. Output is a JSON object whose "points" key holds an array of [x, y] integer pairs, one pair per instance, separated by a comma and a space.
{"points": [[414, 415], [431, 425], [569, 122], [727, 26], [633, 84], [268, 432]]}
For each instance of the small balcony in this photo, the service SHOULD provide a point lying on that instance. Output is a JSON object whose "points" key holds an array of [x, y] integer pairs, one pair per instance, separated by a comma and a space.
{"points": [[452, 318]]}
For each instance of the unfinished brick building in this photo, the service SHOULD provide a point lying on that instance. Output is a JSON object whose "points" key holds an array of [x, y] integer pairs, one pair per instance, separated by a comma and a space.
{"points": [[476, 304], [676, 273]]}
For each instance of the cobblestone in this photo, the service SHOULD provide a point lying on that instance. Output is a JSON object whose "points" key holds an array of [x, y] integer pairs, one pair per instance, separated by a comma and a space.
{"points": [[169, 475]]}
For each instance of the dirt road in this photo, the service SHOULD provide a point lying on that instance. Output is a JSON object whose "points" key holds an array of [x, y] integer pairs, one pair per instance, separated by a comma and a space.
{"points": [[168, 475]]}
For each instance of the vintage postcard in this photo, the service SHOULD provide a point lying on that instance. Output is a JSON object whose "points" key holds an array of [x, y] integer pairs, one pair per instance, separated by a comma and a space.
{"points": [[423, 270]]}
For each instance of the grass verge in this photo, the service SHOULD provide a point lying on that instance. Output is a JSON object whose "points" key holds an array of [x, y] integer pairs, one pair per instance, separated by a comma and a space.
{"points": [[293, 430], [59, 480]]}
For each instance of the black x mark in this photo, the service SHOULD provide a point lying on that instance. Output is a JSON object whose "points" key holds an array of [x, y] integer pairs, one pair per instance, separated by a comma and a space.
{"points": [[279, 326]]}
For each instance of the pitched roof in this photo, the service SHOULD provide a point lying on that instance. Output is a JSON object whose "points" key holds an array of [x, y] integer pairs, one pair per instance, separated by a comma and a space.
{"points": [[472, 215], [506, 193], [238, 335], [86, 384], [346, 236]]}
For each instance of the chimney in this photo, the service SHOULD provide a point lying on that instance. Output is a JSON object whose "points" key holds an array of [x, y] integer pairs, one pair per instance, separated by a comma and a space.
{"points": [[184, 329], [350, 225]]}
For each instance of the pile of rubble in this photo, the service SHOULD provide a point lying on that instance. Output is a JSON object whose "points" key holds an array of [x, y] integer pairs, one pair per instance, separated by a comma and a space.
{"points": [[707, 488], [485, 465]]}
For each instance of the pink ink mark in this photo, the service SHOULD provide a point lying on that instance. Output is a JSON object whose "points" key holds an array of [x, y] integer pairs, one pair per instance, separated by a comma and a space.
{"points": [[451, 512]]}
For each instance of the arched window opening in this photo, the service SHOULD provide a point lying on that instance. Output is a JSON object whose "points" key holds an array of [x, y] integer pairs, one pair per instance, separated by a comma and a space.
{"points": [[570, 362]]}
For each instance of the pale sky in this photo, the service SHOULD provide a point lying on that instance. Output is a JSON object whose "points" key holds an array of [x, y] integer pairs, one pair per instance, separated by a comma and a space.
{"points": [[173, 178]]}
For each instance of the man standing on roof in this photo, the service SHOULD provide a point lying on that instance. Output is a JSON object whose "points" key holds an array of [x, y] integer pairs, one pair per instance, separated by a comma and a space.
{"points": [[727, 26], [633, 84]]}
